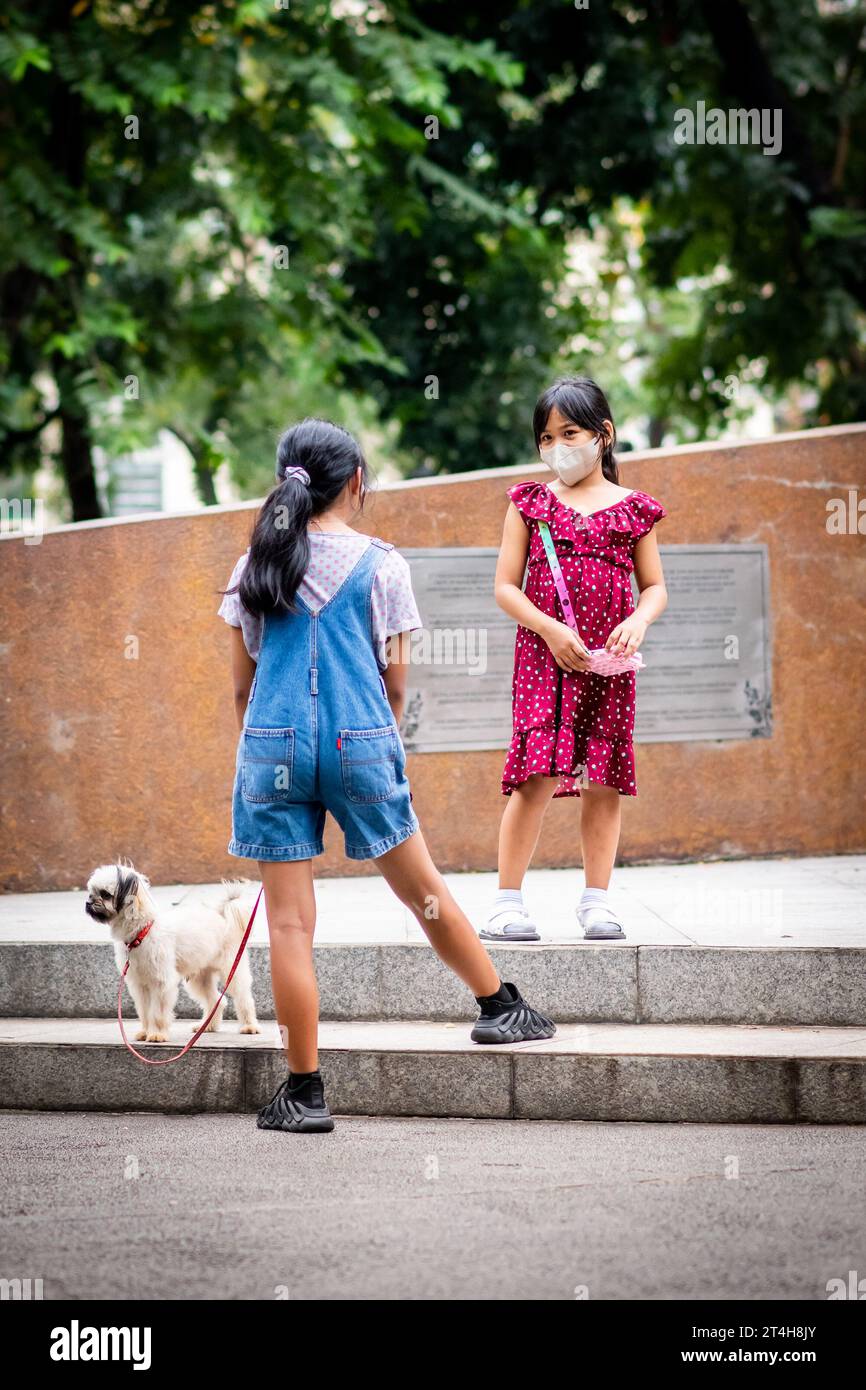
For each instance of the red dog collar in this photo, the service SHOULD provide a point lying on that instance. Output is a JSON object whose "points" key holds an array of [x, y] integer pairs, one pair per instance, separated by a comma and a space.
{"points": [[137, 940]]}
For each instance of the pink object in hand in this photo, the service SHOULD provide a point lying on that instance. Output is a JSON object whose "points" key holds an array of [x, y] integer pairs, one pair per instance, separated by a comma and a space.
{"points": [[604, 663]]}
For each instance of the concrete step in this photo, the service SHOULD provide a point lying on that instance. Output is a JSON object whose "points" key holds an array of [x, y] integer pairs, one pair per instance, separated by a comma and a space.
{"points": [[579, 983], [639, 1072], [779, 941]]}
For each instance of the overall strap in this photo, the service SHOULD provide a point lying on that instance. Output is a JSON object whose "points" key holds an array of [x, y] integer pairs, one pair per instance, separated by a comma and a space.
{"points": [[360, 577], [376, 553], [374, 556], [371, 559]]}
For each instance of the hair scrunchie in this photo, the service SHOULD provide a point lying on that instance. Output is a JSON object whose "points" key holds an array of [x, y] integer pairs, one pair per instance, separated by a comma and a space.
{"points": [[296, 471]]}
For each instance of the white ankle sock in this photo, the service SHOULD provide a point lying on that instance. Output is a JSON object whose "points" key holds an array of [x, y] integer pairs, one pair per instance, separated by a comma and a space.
{"points": [[508, 897], [594, 897]]}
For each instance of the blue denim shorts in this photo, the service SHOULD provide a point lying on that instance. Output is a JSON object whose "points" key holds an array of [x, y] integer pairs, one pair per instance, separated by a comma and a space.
{"points": [[284, 784]]}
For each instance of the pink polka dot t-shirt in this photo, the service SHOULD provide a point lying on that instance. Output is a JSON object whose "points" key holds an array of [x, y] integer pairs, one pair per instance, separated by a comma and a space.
{"points": [[333, 555], [576, 725]]}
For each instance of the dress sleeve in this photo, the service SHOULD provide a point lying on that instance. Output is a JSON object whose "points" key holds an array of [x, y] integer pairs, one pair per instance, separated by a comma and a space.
{"points": [[532, 500], [645, 512], [393, 603]]}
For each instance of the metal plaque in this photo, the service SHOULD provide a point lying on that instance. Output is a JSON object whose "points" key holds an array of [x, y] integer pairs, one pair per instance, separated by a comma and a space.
{"points": [[458, 693], [708, 656], [707, 672]]}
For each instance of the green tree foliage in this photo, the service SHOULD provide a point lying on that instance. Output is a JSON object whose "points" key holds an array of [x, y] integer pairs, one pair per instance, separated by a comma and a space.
{"points": [[772, 248], [218, 216], [184, 185]]}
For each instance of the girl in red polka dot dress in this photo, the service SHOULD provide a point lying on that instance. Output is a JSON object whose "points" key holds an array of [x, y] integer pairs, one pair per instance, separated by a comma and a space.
{"points": [[573, 728]]}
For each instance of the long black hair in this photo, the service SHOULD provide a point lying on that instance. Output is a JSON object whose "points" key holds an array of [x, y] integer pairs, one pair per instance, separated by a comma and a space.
{"points": [[584, 403], [280, 546]]}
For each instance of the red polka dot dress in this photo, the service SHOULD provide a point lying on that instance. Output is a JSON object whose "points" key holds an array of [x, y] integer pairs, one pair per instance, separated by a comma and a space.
{"points": [[575, 725]]}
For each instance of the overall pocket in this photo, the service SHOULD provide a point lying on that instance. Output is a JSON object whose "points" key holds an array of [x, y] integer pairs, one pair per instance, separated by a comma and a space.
{"points": [[267, 764], [368, 760]]}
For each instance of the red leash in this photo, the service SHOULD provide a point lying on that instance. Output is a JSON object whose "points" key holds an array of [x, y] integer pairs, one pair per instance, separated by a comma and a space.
{"points": [[164, 1061]]}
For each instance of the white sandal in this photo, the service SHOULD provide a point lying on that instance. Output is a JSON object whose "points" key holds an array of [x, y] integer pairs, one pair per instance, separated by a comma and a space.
{"points": [[510, 923], [600, 923]]}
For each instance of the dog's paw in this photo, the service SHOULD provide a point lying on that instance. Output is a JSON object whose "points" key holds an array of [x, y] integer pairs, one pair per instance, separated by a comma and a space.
{"points": [[141, 1036], [250, 1028], [156, 1037]]}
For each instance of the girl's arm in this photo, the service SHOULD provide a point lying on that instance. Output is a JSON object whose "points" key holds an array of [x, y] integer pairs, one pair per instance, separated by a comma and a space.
{"points": [[567, 648], [396, 673], [628, 635], [243, 671]]}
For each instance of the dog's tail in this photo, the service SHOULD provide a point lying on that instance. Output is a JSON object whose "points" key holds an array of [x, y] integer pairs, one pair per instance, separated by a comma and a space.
{"points": [[238, 903], [235, 887]]}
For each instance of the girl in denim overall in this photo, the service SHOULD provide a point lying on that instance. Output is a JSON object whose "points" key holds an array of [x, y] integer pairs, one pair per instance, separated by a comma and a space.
{"points": [[319, 731]]}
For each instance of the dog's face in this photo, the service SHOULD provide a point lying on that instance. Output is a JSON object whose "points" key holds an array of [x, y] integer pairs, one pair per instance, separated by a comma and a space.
{"points": [[110, 889]]}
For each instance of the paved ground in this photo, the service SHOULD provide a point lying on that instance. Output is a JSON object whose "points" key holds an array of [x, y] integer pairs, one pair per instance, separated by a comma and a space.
{"points": [[625, 1039], [135, 1206], [125, 1206], [745, 902]]}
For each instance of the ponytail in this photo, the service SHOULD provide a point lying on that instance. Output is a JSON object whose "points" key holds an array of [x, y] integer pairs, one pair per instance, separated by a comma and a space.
{"points": [[328, 457], [608, 458]]}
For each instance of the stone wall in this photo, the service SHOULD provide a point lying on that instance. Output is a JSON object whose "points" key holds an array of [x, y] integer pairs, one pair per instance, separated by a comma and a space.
{"points": [[105, 756]]}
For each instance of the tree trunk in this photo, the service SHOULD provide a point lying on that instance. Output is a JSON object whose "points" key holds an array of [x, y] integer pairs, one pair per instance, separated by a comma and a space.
{"points": [[66, 151], [656, 432], [204, 482], [76, 461], [748, 77], [202, 473]]}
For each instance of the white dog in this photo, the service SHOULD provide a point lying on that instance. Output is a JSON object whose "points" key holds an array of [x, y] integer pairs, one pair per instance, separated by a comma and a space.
{"points": [[194, 943]]}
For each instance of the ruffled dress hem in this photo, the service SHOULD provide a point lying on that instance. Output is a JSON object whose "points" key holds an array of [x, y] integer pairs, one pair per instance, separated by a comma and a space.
{"points": [[576, 757]]}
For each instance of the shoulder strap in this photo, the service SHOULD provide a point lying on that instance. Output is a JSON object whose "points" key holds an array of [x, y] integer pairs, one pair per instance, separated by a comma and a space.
{"points": [[383, 545], [556, 571]]}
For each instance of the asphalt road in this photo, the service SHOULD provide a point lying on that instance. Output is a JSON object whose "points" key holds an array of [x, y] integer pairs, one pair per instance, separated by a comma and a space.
{"points": [[108, 1206]]}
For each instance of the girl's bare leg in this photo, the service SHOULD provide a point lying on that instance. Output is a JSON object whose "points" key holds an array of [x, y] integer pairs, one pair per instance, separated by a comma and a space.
{"points": [[411, 874], [521, 826], [290, 903], [600, 820]]}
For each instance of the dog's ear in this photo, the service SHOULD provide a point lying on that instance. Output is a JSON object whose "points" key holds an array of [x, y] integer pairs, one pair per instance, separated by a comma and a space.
{"points": [[127, 887]]}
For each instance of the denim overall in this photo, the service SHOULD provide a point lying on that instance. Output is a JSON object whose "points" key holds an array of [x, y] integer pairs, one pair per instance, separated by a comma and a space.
{"points": [[319, 734]]}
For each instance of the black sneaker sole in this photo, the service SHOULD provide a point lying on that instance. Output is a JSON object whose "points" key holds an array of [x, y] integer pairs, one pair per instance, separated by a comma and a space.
{"points": [[293, 1117], [312, 1122], [518, 1023]]}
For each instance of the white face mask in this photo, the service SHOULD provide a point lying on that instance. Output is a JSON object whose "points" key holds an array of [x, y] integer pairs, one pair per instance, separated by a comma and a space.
{"points": [[571, 462]]}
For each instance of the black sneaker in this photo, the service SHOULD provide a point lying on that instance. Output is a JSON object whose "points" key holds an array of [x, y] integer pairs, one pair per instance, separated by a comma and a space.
{"points": [[516, 1021], [301, 1112]]}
